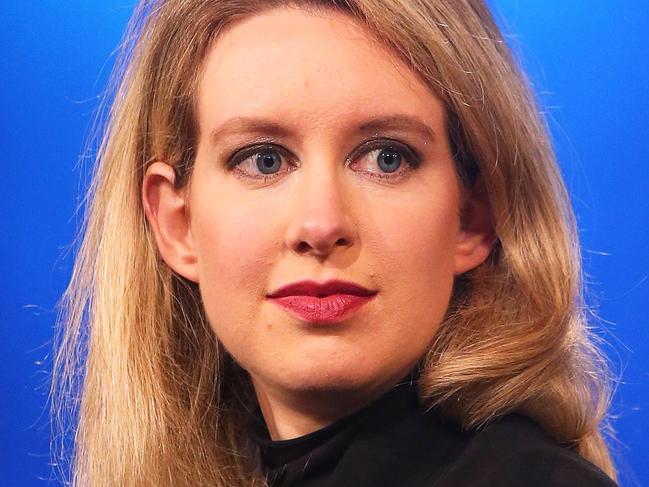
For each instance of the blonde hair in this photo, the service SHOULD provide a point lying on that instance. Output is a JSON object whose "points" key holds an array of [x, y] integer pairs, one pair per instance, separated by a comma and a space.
{"points": [[158, 400]]}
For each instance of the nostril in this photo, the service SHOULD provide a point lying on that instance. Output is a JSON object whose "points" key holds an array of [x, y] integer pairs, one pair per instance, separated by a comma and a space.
{"points": [[303, 247]]}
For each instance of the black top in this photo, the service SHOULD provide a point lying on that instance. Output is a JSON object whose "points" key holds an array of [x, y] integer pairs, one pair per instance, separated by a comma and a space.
{"points": [[392, 442]]}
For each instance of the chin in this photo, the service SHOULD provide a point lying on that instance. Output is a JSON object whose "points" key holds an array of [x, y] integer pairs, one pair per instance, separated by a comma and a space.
{"points": [[329, 376]]}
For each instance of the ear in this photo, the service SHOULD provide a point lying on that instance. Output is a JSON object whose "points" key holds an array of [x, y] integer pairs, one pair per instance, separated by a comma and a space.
{"points": [[166, 211], [476, 236]]}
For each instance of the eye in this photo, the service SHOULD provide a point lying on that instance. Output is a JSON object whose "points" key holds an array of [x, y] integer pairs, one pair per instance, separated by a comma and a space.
{"points": [[262, 162], [268, 161], [388, 159], [393, 159]]}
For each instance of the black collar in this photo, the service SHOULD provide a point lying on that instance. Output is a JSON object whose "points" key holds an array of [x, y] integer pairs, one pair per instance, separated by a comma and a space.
{"points": [[319, 457]]}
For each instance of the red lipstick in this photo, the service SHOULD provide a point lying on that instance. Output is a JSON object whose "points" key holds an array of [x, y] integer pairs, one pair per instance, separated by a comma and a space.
{"points": [[324, 303]]}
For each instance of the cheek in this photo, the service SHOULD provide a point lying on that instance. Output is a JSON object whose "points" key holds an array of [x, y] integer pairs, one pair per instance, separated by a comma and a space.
{"points": [[415, 237], [229, 249], [233, 246], [413, 255]]}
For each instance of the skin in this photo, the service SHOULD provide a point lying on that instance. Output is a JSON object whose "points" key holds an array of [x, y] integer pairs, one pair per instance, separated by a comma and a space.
{"points": [[324, 213]]}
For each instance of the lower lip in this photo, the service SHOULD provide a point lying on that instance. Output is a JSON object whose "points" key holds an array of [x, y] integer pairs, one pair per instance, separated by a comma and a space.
{"points": [[326, 310]]}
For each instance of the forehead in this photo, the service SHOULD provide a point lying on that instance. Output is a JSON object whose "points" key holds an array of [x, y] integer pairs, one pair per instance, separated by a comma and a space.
{"points": [[315, 67]]}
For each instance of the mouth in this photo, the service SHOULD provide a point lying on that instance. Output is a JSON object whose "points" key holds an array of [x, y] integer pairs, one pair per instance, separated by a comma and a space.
{"points": [[326, 303]]}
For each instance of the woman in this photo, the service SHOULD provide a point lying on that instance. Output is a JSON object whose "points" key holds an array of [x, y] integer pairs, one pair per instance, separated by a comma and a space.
{"points": [[328, 244]]}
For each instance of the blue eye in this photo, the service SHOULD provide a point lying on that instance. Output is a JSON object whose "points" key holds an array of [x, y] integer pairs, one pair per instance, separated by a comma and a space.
{"points": [[389, 160], [259, 162], [388, 156], [264, 162], [268, 161]]}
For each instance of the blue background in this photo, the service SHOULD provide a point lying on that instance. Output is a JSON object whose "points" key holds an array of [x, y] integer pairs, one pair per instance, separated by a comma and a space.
{"points": [[588, 63]]}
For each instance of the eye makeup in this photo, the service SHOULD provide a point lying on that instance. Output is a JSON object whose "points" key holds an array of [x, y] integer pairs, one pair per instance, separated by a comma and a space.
{"points": [[253, 161]]}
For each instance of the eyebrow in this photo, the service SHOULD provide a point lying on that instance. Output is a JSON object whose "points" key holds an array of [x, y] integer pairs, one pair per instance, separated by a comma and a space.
{"points": [[263, 126], [398, 122]]}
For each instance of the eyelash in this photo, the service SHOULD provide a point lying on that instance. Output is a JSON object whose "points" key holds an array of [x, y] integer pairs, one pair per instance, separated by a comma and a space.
{"points": [[409, 156]]}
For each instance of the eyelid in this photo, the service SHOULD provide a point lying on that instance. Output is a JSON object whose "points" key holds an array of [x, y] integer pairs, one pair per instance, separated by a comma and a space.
{"points": [[410, 155], [245, 152]]}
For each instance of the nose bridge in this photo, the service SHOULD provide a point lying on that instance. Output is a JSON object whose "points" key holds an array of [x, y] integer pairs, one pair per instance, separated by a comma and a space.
{"points": [[320, 219], [321, 187]]}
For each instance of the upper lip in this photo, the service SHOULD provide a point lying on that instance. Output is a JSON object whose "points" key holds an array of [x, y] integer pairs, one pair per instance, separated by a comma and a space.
{"points": [[321, 289]]}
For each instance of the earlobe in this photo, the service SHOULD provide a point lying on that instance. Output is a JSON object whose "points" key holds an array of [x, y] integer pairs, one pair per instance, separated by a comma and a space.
{"points": [[165, 209], [476, 237]]}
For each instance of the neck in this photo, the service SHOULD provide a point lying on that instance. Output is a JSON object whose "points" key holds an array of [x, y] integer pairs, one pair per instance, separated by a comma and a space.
{"points": [[294, 414]]}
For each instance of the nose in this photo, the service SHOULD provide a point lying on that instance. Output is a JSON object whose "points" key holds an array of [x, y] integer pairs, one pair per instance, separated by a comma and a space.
{"points": [[320, 221]]}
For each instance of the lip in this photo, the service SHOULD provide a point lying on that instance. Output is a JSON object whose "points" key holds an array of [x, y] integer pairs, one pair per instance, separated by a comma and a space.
{"points": [[322, 303]]}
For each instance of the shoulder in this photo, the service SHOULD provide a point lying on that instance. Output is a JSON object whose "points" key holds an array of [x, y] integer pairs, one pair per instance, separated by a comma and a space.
{"points": [[514, 451]]}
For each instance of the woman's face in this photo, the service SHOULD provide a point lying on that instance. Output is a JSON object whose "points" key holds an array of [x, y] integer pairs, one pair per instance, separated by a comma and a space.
{"points": [[343, 171]]}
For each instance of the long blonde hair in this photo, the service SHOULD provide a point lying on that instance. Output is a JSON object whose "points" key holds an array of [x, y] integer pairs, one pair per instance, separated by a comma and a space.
{"points": [[154, 398]]}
